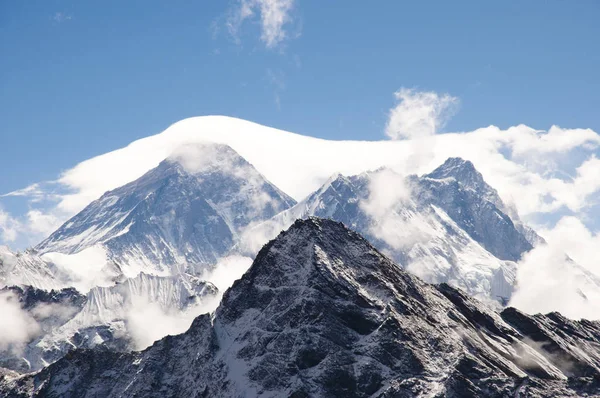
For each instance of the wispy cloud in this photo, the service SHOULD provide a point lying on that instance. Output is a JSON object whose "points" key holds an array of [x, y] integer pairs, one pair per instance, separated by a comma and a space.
{"points": [[274, 16], [60, 17], [419, 113], [276, 79], [16, 325]]}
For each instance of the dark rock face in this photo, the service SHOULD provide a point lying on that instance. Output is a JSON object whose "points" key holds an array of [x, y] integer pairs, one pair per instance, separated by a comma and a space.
{"points": [[321, 313], [30, 297]]}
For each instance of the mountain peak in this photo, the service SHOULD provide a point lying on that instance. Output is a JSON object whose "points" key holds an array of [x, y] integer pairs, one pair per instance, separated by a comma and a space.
{"points": [[186, 211], [322, 313], [467, 176], [460, 169], [207, 156]]}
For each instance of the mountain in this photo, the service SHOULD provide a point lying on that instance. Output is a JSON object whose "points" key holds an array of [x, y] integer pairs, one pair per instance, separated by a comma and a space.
{"points": [[107, 318], [322, 313], [27, 269], [458, 188], [180, 216], [446, 226]]}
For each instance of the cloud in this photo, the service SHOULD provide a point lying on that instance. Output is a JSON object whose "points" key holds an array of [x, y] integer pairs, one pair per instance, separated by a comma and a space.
{"points": [[274, 16], [300, 164], [388, 191], [42, 224], [276, 79], [419, 113], [543, 174], [60, 17], [9, 227], [33, 226], [555, 140], [227, 271], [32, 190], [17, 327], [563, 274], [147, 321], [571, 236]]}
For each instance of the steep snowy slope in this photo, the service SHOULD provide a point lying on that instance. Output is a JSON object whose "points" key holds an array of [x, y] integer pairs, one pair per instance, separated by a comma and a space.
{"points": [[187, 212], [475, 206], [447, 226], [321, 313], [27, 269]]}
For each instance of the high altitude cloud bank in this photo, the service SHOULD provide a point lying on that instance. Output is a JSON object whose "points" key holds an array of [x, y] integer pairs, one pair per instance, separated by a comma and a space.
{"points": [[510, 160]]}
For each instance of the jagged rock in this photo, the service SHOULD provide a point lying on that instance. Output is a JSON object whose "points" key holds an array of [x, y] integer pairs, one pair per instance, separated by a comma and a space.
{"points": [[322, 313]]}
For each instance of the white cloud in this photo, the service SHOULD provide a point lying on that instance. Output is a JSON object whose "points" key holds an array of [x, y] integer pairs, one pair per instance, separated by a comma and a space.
{"points": [[42, 224], [525, 142], [537, 172], [389, 191], [9, 227], [547, 280], [227, 271], [563, 274], [572, 237], [16, 325], [300, 164], [419, 113], [30, 228], [148, 321], [274, 16], [32, 190]]}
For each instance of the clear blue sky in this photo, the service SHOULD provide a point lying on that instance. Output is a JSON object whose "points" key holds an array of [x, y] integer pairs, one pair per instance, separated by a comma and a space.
{"points": [[104, 73]]}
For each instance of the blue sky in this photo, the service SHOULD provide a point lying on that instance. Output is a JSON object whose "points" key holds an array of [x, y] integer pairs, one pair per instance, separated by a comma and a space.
{"points": [[81, 78]]}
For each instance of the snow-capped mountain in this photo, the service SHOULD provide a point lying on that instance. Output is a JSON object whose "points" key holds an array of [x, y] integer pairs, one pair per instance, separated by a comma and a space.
{"points": [[322, 313], [185, 213], [27, 269], [123, 317], [476, 207], [446, 226]]}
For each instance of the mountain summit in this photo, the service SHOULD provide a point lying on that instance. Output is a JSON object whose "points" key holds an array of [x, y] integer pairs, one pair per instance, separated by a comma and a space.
{"points": [[322, 313], [186, 212], [447, 226]]}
